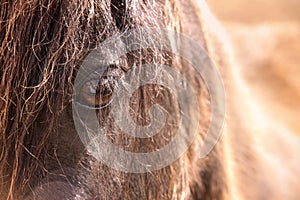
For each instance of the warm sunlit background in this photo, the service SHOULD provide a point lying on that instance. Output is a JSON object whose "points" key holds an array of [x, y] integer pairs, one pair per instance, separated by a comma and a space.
{"points": [[266, 36]]}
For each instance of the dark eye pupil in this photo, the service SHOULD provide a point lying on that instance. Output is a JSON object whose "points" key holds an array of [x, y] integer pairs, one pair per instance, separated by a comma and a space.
{"points": [[104, 89], [97, 93]]}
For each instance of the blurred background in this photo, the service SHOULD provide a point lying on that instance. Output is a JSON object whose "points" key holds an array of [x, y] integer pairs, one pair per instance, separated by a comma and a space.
{"points": [[266, 38]]}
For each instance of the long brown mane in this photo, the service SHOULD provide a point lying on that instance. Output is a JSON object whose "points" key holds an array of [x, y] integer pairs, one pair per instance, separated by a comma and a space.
{"points": [[42, 45], [44, 42]]}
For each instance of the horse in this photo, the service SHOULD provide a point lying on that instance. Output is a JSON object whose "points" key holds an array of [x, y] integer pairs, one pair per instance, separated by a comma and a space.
{"points": [[46, 45]]}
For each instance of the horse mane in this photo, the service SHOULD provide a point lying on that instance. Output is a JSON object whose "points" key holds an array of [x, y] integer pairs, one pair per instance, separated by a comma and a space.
{"points": [[42, 44]]}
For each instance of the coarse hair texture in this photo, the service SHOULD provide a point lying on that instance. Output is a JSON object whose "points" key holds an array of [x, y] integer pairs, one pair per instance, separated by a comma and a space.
{"points": [[42, 45]]}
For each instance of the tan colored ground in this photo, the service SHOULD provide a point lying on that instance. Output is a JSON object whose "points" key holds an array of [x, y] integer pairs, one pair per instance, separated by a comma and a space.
{"points": [[266, 36], [256, 11]]}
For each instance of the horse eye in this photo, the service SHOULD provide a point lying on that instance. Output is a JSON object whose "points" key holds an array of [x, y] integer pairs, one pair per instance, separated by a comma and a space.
{"points": [[97, 94]]}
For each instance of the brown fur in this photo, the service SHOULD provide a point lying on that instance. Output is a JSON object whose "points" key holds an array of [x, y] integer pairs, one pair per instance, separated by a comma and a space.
{"points": [[42, 45]]}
